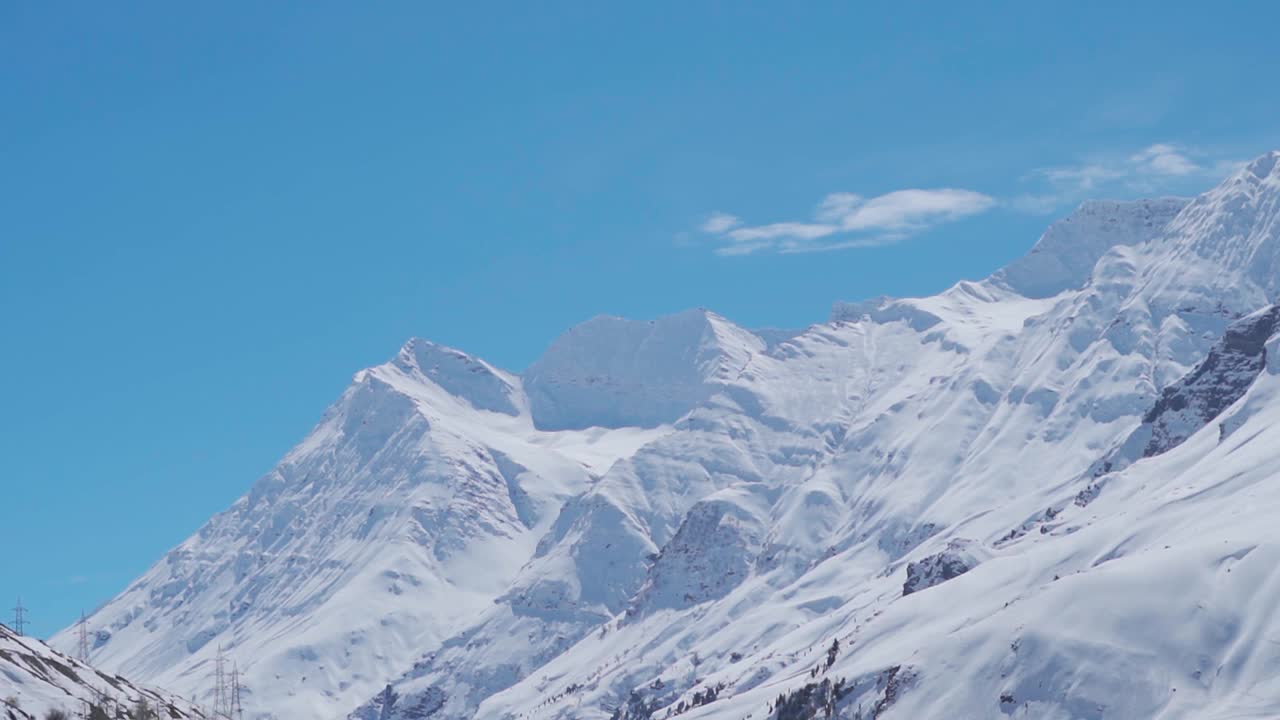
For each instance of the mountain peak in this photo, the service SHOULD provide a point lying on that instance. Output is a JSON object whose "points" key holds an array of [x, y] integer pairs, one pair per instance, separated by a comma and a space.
{"points": [[459, 374], [692, 316], [1066, 253], [1229, 237], [1264, 165], [611, 371]]}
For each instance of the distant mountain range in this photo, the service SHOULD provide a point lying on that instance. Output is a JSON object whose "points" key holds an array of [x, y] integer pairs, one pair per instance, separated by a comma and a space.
{"points": [[1047, 494]]}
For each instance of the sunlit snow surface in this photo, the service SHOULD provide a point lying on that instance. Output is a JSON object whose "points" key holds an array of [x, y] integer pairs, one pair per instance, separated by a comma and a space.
{"points": [[36, 679], [751, 500]]}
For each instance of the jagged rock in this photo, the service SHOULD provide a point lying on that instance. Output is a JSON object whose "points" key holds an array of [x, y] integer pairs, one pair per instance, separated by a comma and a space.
{"points": [[936, 569], [1216, 384]]}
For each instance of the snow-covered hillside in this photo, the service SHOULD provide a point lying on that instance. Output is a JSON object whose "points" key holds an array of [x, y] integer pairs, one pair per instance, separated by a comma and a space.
{"points": [[391, 527], [1047, 494], [36, 679]]}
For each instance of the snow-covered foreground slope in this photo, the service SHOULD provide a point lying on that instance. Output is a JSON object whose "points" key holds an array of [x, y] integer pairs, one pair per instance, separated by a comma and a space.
{"points": [[36, 679], [1041, 495]]}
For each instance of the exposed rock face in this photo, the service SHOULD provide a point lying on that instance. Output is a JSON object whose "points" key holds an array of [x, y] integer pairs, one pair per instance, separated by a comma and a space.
{"points": [[936, 569], [710, 554], [1195, 400], [1216, 384]]}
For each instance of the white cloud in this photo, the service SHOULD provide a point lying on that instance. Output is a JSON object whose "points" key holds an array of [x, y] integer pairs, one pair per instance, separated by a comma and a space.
{"points": [[720, 222], [836, 206], [776, 231], [1163, 159], [1159, 168], [845, 220], [1085, 177], [907, 209]]}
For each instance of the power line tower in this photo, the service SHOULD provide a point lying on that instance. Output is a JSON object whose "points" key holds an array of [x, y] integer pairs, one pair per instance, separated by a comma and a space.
{"points": [[220, 686], [84, 638], [236, 711], [19, 618]]}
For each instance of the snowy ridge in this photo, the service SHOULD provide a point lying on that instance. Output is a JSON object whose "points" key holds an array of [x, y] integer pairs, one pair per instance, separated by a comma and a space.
{"points": [[36, 679], [614, 372], [906, 512], [1066, 254]]}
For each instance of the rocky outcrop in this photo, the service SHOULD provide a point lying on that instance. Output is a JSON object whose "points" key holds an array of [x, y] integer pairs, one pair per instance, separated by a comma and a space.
{"points": [[936, 569], [710, 555], [1218, 382], [1183, 408]]}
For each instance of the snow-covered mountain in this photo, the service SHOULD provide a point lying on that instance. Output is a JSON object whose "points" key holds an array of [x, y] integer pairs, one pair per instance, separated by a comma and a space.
{"points": [[404, 513], [36, 679], [1047, 494]]}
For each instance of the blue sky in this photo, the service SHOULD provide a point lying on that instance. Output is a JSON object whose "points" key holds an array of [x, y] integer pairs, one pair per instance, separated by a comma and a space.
{"points": [[211, 215]]}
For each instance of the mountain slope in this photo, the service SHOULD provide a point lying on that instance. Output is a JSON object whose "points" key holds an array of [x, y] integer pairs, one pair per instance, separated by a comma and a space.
{"points": [[408, 508], [953, 504], [35, 679]]}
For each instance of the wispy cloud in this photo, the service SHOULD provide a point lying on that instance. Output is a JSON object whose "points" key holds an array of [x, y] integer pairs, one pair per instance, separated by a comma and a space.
{"points": [[1155, 169], [720, 222], [1163, 159], [844, 220]]}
